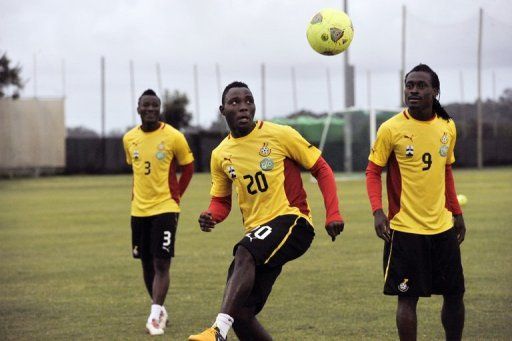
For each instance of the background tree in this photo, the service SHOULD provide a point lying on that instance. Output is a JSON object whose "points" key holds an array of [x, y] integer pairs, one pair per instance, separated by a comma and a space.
{"points": [[175, 109], [9, 77]]}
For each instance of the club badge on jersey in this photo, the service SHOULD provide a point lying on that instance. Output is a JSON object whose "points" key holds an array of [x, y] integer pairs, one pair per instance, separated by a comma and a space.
{"points": [[266, 164], [444, 139], [443, 151], [160, 154]]}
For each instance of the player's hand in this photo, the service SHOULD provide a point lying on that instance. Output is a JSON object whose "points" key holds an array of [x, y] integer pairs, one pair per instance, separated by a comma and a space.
{"points": [[381, 223], [460, 227], [206, 222], [334, 228]]}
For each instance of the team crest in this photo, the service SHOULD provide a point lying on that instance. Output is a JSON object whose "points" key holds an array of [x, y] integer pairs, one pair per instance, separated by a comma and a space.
{"points": [[444, 139], [136, 154], [443, 151], [265, 150], [409, 151], [231, 172], [266, 164], [403, 287], [160, 155]]}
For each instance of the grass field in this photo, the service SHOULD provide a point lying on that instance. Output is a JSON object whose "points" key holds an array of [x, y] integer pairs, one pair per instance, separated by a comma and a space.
{"points": [[66, 271]]}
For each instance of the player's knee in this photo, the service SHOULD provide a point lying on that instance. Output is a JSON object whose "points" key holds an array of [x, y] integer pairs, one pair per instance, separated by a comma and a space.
{"points": [[454, 300], [161, 265], [243, 257]]}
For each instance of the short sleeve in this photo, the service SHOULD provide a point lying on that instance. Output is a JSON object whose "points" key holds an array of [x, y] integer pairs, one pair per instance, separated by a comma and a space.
{"points": [[182, 150], [451, 148], [126, 150], [298, 148], [382, 147], [221, 184]]}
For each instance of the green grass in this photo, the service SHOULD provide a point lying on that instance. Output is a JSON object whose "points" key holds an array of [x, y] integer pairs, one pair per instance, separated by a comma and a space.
{"points": [[66, 270]]}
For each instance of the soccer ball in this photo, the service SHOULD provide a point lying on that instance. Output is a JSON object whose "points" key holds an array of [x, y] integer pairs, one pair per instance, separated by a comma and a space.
{"points": [[330, 32], [462, 199]]}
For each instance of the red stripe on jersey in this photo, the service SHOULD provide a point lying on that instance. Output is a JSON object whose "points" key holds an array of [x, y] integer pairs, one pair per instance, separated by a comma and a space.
{"points": [[261, 125], [452, 203], [394, 186], [293, 186], [173, 182]]}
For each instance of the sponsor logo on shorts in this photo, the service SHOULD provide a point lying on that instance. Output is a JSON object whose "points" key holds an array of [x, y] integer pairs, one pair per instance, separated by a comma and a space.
{"points": [[166, 248], [403, 287], [135, 251]]}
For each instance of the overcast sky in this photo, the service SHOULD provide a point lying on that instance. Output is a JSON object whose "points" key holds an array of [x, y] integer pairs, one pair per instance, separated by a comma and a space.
{"points": [[239, 35]]}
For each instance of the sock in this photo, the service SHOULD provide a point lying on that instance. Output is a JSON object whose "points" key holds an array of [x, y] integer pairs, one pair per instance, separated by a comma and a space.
{"points": [[155, 312], [223, 322]]}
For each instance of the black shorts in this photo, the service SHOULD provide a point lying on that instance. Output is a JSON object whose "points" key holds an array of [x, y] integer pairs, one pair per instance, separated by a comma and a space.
{"points": [[422, 265], [154, 236], [272, 245]]}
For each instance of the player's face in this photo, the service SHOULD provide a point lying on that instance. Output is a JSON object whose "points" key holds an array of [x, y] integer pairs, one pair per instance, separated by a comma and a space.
{"points": [[418, 91], [239, 109], [149, 109]]}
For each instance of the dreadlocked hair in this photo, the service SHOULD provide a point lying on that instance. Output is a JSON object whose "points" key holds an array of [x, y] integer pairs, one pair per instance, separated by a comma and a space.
{"points": [[436, 84]]}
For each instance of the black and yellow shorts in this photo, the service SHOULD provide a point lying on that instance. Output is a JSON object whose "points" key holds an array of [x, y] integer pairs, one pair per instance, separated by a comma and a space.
{"points": [[154, 236], [418, 265], [272, 245]]}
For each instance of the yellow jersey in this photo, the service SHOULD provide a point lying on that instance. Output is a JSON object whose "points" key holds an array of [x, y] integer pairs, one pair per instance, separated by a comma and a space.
{"points": [[264, 167], [152, 156], [416, 153]]}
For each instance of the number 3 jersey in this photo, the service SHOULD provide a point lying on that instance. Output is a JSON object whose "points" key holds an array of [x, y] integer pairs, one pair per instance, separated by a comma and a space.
{"points": [[152, 156], [264, 167], [416, 153]]}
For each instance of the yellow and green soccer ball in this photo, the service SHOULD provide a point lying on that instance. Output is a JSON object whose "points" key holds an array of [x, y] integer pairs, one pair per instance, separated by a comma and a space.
{"points": [[330, 32]]}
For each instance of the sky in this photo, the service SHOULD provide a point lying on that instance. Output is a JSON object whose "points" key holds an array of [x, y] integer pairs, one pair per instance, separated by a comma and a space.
{"points": [[59, 44]]}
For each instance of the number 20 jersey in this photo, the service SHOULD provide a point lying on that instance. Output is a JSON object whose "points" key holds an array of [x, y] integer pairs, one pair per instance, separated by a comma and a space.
{"points": [[416, 153], [264, 167]]}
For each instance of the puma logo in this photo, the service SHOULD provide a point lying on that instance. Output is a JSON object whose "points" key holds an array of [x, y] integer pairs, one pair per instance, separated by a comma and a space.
{"points": [[409, 137]]}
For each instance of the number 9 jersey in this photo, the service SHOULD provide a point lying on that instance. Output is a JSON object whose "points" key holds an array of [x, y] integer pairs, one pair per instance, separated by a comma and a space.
{"points": [[264, 167], [416, 153]]}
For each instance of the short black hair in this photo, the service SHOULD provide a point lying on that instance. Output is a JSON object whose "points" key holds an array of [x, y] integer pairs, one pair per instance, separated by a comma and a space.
{"points": [[148, 92], [235, 84], [436, 84]]}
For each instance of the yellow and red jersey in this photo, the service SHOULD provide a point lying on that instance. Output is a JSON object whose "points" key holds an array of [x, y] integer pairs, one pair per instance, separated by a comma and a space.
{"points": [[153, 156], [416, 153], [264, 167]]}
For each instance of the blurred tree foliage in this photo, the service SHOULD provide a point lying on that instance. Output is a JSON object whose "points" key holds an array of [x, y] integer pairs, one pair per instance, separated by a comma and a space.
{"points": [[175, 109], [10, 77]]}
